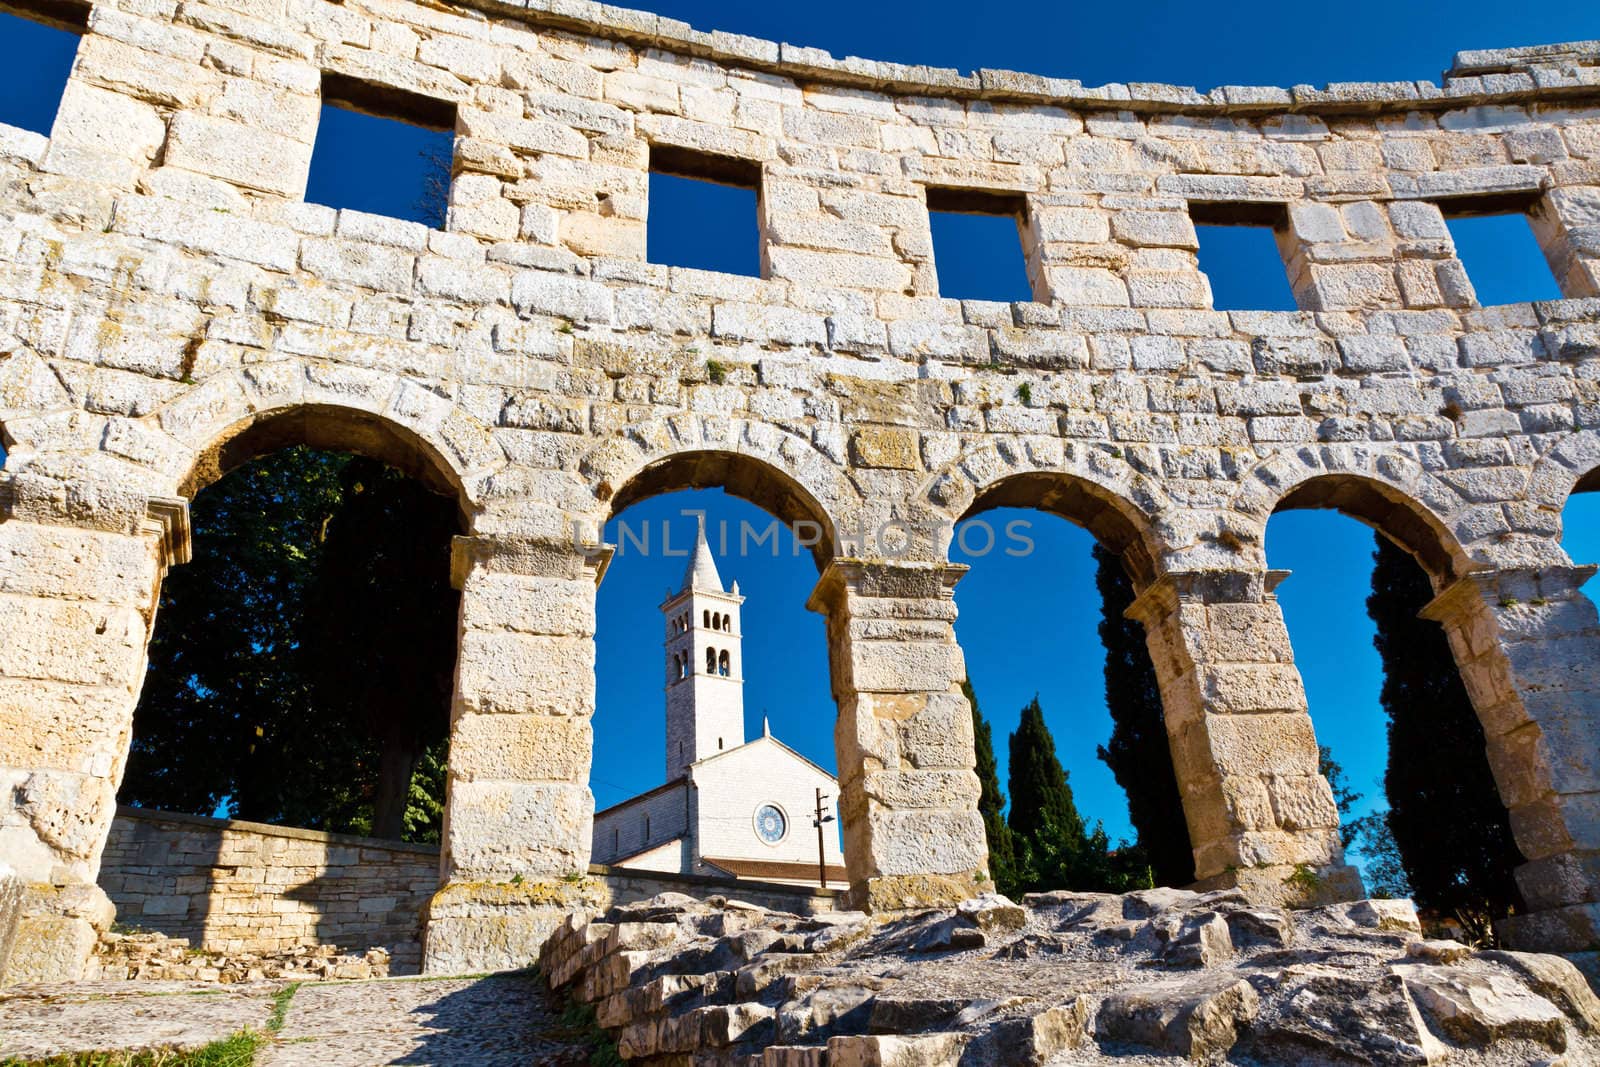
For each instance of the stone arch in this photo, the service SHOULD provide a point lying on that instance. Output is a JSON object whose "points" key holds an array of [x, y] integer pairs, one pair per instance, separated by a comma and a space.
{"points": [[1089, 487], [1381, 499], [1570, 467], [229, 419], [1392, 494], [784, 475], [204, 450], [1119, 509]]}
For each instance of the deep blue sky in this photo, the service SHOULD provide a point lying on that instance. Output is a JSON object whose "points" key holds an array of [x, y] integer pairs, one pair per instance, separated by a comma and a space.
{"points": [[1026, 625]]}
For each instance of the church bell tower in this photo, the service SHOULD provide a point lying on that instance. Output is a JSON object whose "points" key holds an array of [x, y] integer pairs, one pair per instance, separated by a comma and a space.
{"points": [[705, 673]]}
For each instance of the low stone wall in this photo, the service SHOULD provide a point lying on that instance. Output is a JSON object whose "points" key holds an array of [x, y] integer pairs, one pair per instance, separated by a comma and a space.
{"points": [[233, 886], [627, 886], [243, 887]]}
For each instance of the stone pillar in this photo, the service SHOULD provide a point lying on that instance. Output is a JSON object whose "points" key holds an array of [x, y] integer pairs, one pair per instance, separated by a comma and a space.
{"points": [[908, 795], [519, 815], [77, 606], [1528, 644], [1261, 817], [1567, 223]]}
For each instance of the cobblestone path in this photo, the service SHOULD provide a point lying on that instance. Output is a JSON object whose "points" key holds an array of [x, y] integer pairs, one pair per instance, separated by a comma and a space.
{"points": [[494, 1021]]}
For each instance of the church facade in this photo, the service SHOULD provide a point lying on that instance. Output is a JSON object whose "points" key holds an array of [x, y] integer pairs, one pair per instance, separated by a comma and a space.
{"points": [[730, 807]]}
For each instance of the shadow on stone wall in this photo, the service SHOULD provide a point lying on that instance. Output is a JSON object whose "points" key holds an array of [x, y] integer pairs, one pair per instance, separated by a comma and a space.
{"points": [[236, 886]]}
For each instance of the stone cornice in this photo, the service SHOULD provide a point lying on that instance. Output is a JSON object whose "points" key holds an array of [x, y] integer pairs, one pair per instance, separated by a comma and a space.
{"points": [[1506, 586], [1480, 77], [552, 558], [168, 518], [884, 578], [1161, 597]]}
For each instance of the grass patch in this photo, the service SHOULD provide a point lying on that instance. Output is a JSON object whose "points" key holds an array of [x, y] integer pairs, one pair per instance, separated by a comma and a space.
{"points": [[280, 1006], [238, 1050], [578, 1024]]}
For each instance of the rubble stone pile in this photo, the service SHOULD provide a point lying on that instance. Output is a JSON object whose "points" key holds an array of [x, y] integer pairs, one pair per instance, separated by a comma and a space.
{"points": [[155, 957], [1149, 976]]}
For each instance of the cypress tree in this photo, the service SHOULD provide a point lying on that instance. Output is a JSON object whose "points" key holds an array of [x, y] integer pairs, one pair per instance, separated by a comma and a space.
{"points": [[1448, 822], [1002, 858], [1139, 754], [1053, 847], [1040, 795]]}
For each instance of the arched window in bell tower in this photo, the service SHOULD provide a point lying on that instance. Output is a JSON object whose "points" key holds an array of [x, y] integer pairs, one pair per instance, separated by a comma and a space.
{"points": [[711, 661], [722, 664]]}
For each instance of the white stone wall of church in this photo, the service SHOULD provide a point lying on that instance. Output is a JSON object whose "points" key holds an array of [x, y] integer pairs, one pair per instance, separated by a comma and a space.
{"points": [[730, 789], [620, 832]]}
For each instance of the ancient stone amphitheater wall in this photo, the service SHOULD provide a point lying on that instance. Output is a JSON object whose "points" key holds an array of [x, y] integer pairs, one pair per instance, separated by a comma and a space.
{"points": [[170, 306]]}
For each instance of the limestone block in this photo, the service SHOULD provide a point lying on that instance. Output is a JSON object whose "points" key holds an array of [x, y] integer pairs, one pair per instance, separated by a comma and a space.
{"points": [[214, 232], [925, 1050], [100, 131], [83, 643], [1199, 1020], [245, 155], [1482, 1009], [1274, 744], [520, 748], [519, 673], [539, 293], [54, 726], [529, 604], [1164, 229], [74, 563], [836, 270], [358, 263], [920, 842], [888, 447], [498, 829]]}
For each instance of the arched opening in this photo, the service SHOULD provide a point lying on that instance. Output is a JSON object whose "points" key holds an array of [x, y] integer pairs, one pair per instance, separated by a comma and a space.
{"points": [[1580, 520], [1383, 688], [1071, 736], [300, 675], [756, 724]]}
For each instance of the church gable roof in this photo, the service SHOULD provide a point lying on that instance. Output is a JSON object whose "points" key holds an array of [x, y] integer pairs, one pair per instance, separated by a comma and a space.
{"points": [[765, 739]]}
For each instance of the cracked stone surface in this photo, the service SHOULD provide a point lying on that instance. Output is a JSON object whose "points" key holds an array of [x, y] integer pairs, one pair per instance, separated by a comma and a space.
{"points": [[1149, 977]]}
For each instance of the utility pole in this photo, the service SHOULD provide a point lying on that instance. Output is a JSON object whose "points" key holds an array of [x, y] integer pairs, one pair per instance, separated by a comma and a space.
{"points": [[822, 816]]}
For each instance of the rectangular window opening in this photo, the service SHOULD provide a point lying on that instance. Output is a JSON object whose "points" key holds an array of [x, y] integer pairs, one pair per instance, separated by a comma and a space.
{"points": [[1241, 257], [978, 250], [42, 41], [1498, 250], [382, 150], [704, 211]]}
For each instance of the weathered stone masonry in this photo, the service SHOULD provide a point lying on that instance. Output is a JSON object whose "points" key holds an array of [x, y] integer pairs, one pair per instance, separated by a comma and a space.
{"points": [[170, 307]]}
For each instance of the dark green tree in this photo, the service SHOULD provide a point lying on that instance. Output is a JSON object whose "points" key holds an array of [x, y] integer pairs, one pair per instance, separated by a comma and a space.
{"points": [[992, 802], [1139, 754], [1039, 792], [1053, 847], [248, 706], [1344, 798], [1449, 825], [1382, 867], [382, 624]]}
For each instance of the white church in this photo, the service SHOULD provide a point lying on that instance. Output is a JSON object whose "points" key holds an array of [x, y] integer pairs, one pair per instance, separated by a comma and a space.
{"points": [[730, 807]]}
